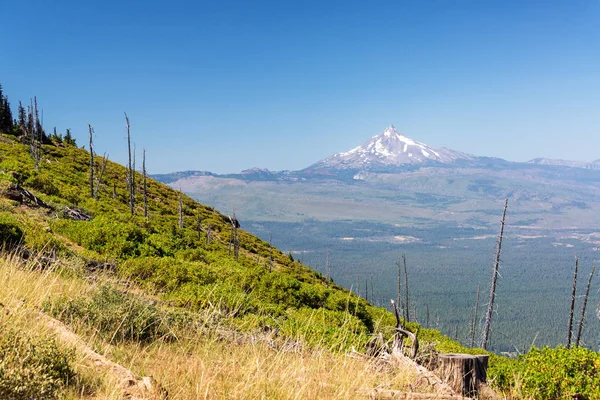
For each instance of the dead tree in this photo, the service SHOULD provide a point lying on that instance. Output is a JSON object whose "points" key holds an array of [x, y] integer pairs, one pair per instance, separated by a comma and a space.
{"points": [[180, 210], [208, 233], [133, 170], [399, 296], [91, 129], [572, 309], [585, 300], [199, 224], [488, 316], [406, 318], [234, 236], [129, 168], [270, 252], [427, 316], [474, 322], [327, 266], [145, 186], [99, 180], [401, 333]]}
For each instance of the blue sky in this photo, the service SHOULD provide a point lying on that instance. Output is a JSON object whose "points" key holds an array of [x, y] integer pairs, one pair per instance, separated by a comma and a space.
{"points": [[229, 85]]}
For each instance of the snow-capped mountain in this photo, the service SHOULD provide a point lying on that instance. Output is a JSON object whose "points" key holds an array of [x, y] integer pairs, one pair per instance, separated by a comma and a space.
{"points": [[390, 148]]}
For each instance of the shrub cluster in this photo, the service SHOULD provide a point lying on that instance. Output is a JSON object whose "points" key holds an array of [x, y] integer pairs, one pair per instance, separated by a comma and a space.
{"points": [[31, 368], [117, 315], [552, 373], [11, 233]]}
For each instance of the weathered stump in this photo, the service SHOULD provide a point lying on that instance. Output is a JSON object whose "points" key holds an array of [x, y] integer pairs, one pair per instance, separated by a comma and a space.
{"points": [[463, 372]]}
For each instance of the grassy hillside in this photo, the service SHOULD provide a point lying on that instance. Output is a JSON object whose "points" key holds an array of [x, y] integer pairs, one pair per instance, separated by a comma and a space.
{"points": [[166, 301], [183, 285]]}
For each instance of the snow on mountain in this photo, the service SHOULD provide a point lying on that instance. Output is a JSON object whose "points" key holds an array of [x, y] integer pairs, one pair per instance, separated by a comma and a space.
{"points": [[389, 148]]}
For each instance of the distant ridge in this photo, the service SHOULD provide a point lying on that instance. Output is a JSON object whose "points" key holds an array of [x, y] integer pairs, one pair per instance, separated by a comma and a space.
{"points": [[566, 163]]}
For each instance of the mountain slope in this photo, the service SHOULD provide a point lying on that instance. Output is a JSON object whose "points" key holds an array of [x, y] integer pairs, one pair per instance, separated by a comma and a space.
{"points": [[389, 148]]}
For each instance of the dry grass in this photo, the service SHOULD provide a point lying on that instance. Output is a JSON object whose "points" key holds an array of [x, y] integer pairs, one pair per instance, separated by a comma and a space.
{"points": [[214, 369], [208, 366]]}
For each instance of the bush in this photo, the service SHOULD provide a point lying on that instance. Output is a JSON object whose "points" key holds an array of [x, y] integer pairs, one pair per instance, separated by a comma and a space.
{"points": [[43, 183], [560, 373], [31, 368], [11, 233], [115, 315]]}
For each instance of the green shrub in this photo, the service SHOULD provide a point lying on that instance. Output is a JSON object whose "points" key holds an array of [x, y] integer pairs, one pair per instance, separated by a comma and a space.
{"points": [[31, 368], [115, 315], [43, 183], [11, 233], [559, 373]]}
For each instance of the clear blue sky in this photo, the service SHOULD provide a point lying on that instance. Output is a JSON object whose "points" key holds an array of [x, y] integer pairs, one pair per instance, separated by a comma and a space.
{"points": [[228, 85]]}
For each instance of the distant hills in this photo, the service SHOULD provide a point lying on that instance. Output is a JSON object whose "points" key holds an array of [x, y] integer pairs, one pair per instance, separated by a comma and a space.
{"points": [[414, 182]]}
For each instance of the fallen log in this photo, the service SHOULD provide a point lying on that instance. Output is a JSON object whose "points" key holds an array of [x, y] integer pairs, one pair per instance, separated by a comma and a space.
{"points": [[76, 215], [20, 194]]}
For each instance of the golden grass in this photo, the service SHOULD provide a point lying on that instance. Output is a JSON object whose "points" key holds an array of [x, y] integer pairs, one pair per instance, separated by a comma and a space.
{"points": [[208, 366]]}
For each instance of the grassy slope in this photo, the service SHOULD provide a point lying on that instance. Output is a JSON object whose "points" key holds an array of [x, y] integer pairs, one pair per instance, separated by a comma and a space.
{"points": [[187, 276]]}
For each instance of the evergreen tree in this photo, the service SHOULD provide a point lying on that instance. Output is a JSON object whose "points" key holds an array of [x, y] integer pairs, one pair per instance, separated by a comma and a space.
{"points": [[6, 119], [22, 116], [68, 139]]}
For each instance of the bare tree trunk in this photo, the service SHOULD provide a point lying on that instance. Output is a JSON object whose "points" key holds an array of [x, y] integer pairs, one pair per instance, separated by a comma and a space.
{"points": [[91, 129], [474, 322], [407, 318], [270, 252], [236, 244], [129, 169], [180, 210], [133, 171], [208, 231], [488, 316], [99, 180], [145, 186], [199, 224], [585, 300], [427, 316], [572, 309], [399, 297], [372, 292], [327, 268]]}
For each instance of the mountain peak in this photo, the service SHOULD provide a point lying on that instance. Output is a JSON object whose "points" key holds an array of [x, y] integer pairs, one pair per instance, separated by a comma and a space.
{"points": [[391, 131], [389, 148]]}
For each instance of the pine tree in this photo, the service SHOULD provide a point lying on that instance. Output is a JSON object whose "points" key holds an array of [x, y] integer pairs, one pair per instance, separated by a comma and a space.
{"points": [[6, 119], [22, 116], [68, 139]]}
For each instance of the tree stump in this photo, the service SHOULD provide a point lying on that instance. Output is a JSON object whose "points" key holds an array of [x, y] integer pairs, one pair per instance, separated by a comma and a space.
{"points": [[463, 372]]}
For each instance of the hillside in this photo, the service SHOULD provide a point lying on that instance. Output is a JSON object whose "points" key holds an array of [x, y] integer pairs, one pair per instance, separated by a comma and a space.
{"points": [[367, 206], [173, 297], [141, 290]]}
